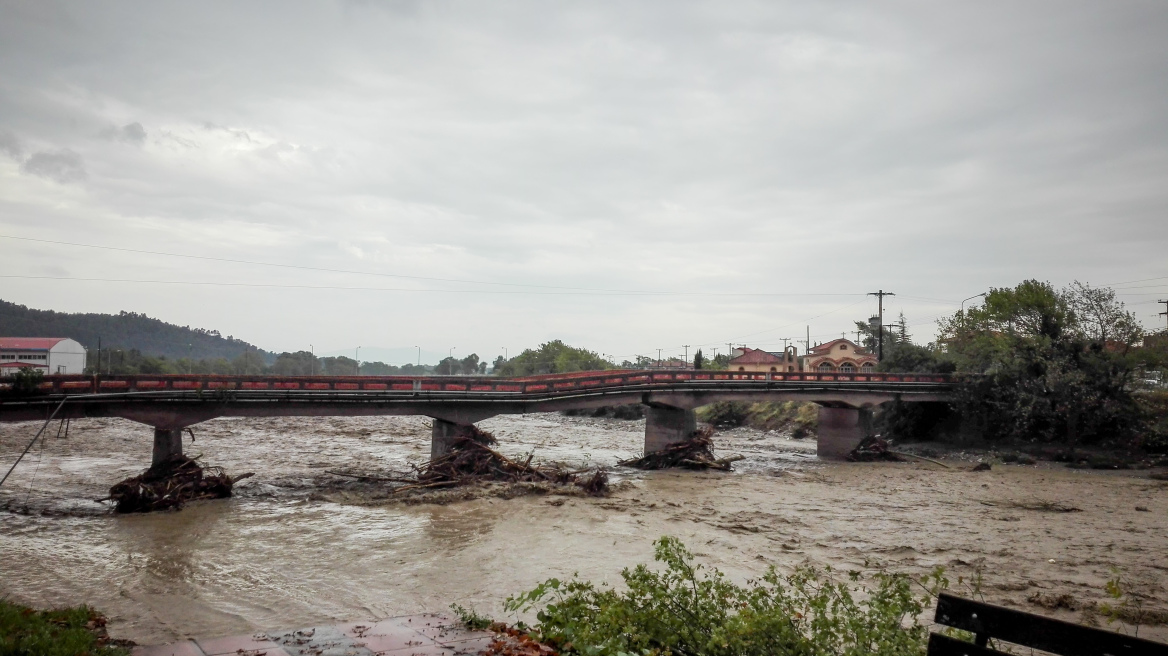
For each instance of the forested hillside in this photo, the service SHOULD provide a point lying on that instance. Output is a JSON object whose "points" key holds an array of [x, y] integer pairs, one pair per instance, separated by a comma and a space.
{"points": [[125, 330]]}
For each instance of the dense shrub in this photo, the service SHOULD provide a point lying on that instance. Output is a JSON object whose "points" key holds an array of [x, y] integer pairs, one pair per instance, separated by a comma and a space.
{"points": [[684, 609]]}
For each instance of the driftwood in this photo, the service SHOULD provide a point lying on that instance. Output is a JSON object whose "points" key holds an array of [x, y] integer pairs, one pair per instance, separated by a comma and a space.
{"points": [[902, 454], [871, 449], [694, 453], [472, 460], [170, 484]]}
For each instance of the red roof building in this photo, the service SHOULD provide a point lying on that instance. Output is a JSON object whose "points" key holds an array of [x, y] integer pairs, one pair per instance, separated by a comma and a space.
{"points": [[765, 361], [842, 355], [56, 355]]}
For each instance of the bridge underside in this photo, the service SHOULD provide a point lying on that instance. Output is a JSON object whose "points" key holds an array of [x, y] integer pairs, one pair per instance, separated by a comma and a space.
{"points": [[844, 416]]}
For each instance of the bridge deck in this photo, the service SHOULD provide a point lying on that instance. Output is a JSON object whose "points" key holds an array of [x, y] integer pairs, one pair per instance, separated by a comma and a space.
{"points": [[548, 384]]}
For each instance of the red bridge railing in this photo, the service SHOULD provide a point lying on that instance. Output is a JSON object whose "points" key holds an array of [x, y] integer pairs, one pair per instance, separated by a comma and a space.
{"points": [[544, 384]]}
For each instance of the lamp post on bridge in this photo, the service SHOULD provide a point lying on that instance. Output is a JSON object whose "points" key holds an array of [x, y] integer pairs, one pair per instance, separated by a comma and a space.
{"points": [[963, 307], [311, 360], [357, 362], [419, 355]]}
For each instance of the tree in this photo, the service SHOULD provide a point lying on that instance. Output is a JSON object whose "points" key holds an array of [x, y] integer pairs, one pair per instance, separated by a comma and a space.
{"points": [[552, 358], [300, 363], [1052, 365], [497, 365], [379, 369], [698, 359]]}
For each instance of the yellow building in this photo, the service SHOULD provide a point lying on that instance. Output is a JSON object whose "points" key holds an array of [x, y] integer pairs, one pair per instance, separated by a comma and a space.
{"points": [[840, 355]]}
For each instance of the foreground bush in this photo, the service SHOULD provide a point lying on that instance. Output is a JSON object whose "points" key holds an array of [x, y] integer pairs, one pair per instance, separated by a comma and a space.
{"points": [[683, 610], [64, 632]]}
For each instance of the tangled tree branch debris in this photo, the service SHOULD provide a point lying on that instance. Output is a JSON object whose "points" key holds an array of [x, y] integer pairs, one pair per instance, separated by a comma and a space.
{"points": [[872, 449], [472, 460], [170, 484], [694, 453]]}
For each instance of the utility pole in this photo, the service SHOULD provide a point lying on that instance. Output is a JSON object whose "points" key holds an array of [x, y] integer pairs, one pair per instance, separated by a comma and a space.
{"points": [[311, 360], [729, 350], [419, 355], [658, 358], [1165, 312], [686, 346], [880, 306], [785, 340]]}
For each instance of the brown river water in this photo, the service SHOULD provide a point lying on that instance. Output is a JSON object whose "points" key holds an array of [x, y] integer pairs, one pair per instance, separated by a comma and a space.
{"points": [[285, 553]]}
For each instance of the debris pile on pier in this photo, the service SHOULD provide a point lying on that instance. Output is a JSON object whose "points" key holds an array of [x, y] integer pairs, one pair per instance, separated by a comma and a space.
{"points": [[472, 460], [170, 484], [694, 453], [873, 449]]}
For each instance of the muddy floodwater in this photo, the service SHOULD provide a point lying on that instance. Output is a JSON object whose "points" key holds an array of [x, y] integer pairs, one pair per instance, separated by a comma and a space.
{"points": [[284, 553]]}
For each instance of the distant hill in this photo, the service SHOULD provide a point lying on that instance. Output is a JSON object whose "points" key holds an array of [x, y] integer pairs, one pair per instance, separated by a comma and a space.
{"points": [[125, 330]]}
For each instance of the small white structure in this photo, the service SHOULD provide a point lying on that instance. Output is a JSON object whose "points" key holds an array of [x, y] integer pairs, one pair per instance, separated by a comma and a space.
{"points": [[52, 355]]}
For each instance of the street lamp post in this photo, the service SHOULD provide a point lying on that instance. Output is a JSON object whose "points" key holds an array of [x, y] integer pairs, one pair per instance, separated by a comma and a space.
{"points": [[311, 360], [190, 358], [357, 364], [419, 355], [963, 307]]}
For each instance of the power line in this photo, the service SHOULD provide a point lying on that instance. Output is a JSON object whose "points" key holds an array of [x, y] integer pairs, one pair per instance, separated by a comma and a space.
{"points": [[374, 273], [581, 292]]}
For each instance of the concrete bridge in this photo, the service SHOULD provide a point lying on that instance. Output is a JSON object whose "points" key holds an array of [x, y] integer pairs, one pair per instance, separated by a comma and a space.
{"points": [[170, 403]]}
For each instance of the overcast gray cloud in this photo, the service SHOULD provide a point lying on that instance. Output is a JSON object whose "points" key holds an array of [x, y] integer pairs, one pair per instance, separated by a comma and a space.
{"points": [[62, 166], [132, 133], [721, 155]]}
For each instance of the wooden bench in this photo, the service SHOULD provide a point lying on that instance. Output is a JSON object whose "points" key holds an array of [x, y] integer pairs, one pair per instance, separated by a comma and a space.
{"points": [[987, 621]]}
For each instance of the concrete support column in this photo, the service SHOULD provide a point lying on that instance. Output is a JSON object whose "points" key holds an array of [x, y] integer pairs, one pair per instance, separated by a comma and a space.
{"points": [[167, 443], [666, 426], [443, 436], [841, 430]]}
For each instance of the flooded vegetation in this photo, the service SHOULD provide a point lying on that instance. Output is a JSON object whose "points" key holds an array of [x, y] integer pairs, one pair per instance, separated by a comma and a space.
{"points": [[299, 544]]}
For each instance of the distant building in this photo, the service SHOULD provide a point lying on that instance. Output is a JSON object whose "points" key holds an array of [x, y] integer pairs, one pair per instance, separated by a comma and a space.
{"points": [[672, 363], [51, 355], [748, 359], [839, 355]]}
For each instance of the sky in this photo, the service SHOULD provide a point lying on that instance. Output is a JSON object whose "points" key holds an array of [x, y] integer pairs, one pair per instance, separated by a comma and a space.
{"points": [[626, 177]]}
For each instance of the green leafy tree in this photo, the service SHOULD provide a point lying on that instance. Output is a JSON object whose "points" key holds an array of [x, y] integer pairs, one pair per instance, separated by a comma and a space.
{"points": [[379, 369], [698, 360], [552, 358], [300, 363], [1052, 365]]}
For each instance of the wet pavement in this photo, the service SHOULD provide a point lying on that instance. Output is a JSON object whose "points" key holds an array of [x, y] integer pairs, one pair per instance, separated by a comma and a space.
{"points": [[408, 635]]}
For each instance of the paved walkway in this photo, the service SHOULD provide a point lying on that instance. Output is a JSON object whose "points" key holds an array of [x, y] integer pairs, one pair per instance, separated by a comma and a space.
{"points": [[410, 635]]}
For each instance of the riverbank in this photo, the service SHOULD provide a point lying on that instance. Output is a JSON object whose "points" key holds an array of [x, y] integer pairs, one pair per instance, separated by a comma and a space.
{"points": [[276, 555]]}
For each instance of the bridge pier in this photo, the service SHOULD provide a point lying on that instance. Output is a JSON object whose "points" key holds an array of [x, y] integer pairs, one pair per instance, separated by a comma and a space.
{"points": [[167, 443], [443, 435], [666, 426], [841, 430]]}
